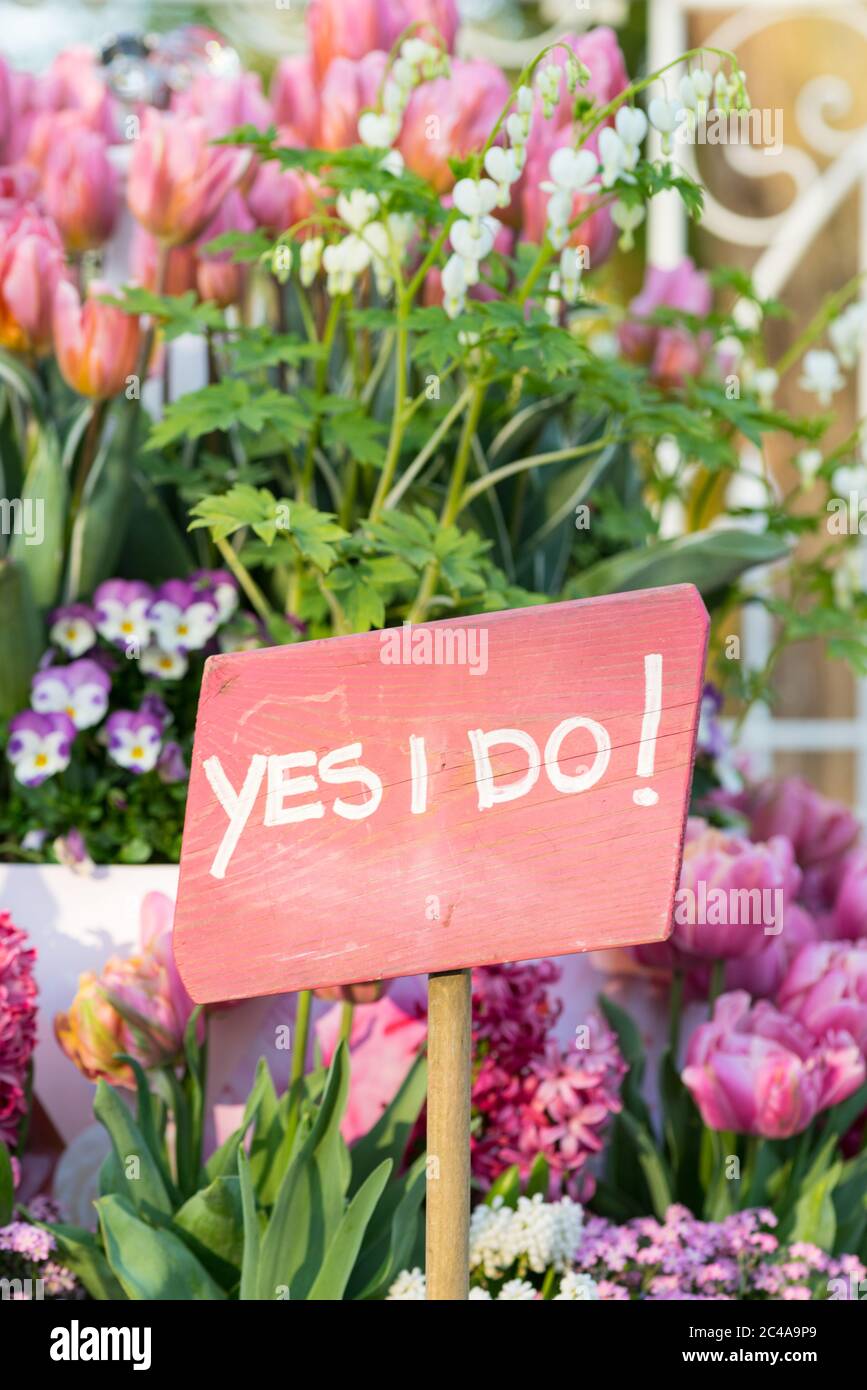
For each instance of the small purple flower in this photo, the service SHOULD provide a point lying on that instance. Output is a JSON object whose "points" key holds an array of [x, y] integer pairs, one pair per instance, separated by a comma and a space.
{"points": [[221, 587], [133, 740], [79, 690], [152, 704], [712, 741], [122, 611], [243, 634], [171, 766], [39, 745], [183, 618], [71, 851], [73, 628]]}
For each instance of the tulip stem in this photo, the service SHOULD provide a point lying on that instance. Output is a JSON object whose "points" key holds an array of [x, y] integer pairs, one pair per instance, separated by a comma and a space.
{"points": [[717, 980], [89, 451], [674, 1017], [302, 1032], [347, 1013]]}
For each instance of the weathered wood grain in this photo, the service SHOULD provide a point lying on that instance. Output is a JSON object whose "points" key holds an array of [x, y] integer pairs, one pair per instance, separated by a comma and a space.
{"points": [[329, 901]]}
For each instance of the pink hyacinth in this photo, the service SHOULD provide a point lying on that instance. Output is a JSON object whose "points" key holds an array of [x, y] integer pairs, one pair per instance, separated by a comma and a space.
{"points": [[754, 1070], [513, 1012], [17, 1025], [825, 989]]}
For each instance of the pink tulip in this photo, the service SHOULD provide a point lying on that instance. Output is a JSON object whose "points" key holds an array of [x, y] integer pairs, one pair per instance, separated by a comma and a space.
{"points": [[97, 344], [179, 275], [32, 264], [820, 829], [438, 19], [19, 184], [6, 112], [338, 29], [825, 989], [177, 179], [672, 354], [136, 1006], [217, 277], [75, 81], [225, 103], [295, 98], [847, 920], [80, 190], [281, 197], [761, 975], [384, 1042], [596, 233], [756, 883], [451, 117], [347, 89], [756, 1071]]}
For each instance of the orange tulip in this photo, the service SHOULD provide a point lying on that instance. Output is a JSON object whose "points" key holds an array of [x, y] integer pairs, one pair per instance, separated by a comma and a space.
{"points": [[97, 344]]}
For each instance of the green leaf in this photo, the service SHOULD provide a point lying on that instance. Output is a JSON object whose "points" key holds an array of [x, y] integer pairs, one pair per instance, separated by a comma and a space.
{"points": [[21, 638], [7, 1186], [148, 1125], [330, 1283], [177, 313], [147, 1191], [390, 1135], [211, 1224], [105, 510], [506, 1185], [38, 543], [151, 1264], [709, 559], [250, 1258], [362, 602], [815, 1219], [389, 1248], [632, 1047], [314, 533], [539, 1179], [81, 1252], [241, 506], [651, 1162]]}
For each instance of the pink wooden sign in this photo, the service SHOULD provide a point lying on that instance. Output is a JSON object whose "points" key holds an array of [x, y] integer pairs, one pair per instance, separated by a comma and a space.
{"points": [[458, 793]]}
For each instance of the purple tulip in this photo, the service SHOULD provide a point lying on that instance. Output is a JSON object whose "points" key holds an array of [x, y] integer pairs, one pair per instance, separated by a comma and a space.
{"points": [[73, 628], [79, 690], [183, 618], [39, 745], [219, 585], [134, 740], [757, 1071], [847, 920], [122, 611]]}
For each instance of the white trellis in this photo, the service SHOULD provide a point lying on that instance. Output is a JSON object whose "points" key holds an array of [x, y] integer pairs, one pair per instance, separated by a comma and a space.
{"points": [[782, 240]]}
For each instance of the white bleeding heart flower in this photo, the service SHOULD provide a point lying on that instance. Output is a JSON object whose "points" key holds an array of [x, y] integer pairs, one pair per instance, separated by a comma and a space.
{"points": [[665, 116], [631, 125], [687, 93], [765, 382], [524, 100], [548, 82], [808, 462], [847, 333], [394, 98], [357, 208], [614, 157], [518, 131], [344, 262], [821, 374], [572, 171], [311, 259], [553, 302], [454, 279], [504, 167], [475, 198], [703, 86], [377, 131], [571, 268], [471, 243], [627, 217], [848, 479], [559, 216]]}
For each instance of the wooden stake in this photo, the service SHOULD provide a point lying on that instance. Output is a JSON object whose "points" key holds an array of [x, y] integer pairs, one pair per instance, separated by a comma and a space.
{"points": [[448, 1135]]}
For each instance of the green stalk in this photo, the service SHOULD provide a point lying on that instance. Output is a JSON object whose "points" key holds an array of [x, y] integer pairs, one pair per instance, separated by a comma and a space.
{"points": [[717, 980], [398, 419], [244, 578], [302, 1033], [347, 1014], [674, 1015]]}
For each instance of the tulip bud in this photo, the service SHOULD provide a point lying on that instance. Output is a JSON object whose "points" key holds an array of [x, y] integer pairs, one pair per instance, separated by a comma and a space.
{"points": [[177, 178], [97, 344], [80, 189], [32, 264]]}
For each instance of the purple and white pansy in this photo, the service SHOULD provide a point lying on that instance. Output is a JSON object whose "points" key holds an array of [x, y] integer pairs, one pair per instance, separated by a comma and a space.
{"points": [[166, 666], [73, 629], [121, 607], [183, 618], [39, 745], [221, 586], [134, 739], [79, 690]]}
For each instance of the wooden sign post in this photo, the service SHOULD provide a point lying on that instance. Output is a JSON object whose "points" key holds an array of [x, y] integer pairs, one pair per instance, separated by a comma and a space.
{"points": [[432, 798]]}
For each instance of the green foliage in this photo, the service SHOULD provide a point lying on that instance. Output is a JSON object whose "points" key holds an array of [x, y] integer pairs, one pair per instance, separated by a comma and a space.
{"points": [[301, 1217]]}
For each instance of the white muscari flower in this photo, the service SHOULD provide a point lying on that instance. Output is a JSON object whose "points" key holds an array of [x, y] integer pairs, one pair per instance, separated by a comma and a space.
{"points": [[576, 1287], [848, 331], [538, 1232], [808, 462], [665, 116], [821, 374], [454, 280], [517, 1291], [311, 259], [504, 167], [408, 1287], [479, 1295], [627, 217], [357, 208]]}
